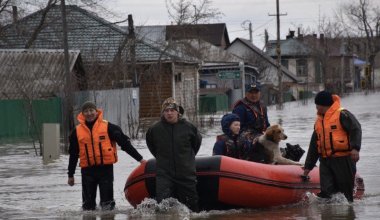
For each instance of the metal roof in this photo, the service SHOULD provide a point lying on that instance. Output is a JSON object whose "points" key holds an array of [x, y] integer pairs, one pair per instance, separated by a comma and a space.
{"points": [[266, 57], [290, 47], [97, 39], [31, 73]]}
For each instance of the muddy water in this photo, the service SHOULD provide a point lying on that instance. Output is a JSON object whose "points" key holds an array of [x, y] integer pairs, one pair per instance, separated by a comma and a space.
{"points": [[30, 189]]}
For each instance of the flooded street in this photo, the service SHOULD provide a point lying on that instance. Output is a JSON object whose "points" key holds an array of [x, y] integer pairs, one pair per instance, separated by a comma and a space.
{"points": [[30, 189]]}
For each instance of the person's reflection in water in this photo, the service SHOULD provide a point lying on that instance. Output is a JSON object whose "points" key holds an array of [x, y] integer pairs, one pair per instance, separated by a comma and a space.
{"points": [[103, 216], [337, 211]]}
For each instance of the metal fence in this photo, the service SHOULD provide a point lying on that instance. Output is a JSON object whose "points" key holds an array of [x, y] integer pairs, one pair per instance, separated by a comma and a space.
{"points": [[120, 107], [24, 118]]}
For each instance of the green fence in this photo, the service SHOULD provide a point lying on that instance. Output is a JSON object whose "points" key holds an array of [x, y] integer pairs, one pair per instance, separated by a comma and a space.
{"points": [[23, 118], [213, 103]]}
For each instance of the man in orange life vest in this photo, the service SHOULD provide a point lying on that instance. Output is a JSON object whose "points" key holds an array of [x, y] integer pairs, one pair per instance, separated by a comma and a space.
{"points": [[336, 142], [93, 141]]}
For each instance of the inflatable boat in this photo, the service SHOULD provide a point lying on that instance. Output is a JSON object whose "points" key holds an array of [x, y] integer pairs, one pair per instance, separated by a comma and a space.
{"points": [[225, 183]]}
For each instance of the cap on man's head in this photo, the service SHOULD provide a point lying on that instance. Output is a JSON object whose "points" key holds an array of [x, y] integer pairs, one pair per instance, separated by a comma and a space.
{"points": [[253, 87], [324, 98], [88, 105], [169, 103]]}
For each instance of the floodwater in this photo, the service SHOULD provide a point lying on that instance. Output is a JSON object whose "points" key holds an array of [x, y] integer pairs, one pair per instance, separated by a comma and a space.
{"points": [[30, 189]]}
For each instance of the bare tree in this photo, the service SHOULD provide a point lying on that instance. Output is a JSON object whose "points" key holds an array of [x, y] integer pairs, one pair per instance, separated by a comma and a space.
{"points": [[362, 19], [191, 12]]}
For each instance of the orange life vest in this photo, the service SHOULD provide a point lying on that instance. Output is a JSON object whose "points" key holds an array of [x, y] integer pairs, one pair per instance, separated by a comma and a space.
{"points": [[332, 139], [95, 146]]}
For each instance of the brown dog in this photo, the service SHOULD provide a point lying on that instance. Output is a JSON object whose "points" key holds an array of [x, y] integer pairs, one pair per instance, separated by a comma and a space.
{"points": [[270, 140]]}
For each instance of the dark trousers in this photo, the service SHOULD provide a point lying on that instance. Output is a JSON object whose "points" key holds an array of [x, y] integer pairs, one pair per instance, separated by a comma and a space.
{"points": [[92, 177], [337, 175], [183, 190]]}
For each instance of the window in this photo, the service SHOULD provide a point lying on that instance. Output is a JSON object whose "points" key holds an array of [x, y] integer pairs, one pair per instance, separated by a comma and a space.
{"points": [[285, 63], [211, 86], [178, 77], [301, 65]]}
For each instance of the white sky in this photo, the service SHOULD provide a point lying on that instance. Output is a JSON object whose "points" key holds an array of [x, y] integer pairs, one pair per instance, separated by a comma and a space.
{"points": [[305, 13]]}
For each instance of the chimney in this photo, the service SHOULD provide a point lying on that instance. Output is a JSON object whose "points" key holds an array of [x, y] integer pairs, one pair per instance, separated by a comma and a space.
{"points": [[321, 38], [290, 35], [15, 14]]}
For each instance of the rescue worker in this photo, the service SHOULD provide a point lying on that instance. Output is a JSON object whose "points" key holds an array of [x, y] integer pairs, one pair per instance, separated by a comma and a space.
{"points": [[252, 112], [93, 141], [336, 142], [174, 142]]}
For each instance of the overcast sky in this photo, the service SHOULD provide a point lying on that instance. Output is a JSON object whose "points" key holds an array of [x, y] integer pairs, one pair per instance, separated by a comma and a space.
{"points": [[305, 13]]}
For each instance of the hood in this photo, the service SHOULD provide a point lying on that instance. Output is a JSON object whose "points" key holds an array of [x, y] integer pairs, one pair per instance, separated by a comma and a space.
{"points": [[226, 122]]}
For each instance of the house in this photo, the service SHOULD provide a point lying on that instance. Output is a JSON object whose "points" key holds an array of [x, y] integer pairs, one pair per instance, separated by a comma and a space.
{"points": [[208, 50], [301, 59], [225, 79], [267, 68], [112, 58], [38, 73], [98, 41], [216, 34], [34, 87]]}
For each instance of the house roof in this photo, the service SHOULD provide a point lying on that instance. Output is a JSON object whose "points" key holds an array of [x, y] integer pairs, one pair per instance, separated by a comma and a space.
{"points": [[97, 39], [31, 73], [265, 57], [212, 33], [289, 47]]}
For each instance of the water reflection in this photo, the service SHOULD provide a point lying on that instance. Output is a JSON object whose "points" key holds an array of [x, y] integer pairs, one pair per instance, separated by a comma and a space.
{"points": [[329, 212]]}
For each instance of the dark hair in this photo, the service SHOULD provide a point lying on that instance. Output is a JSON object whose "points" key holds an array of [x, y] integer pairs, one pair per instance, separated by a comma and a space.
{"points": [[324, 98]]}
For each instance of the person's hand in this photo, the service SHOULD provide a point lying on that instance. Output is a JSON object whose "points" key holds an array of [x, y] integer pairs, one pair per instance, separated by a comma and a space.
{"points": [[305, 176], [355, 155], [305, 171], [71, 181], [142, 161]]}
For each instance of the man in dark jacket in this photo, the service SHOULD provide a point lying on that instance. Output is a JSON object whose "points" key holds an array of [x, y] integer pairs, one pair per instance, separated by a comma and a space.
{"points": [[251, 111], [336, 142], [94, 142], [174, 142]]}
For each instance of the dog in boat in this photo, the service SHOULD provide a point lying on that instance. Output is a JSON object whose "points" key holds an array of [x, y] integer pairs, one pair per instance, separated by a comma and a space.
{"points": [[270, 141]]}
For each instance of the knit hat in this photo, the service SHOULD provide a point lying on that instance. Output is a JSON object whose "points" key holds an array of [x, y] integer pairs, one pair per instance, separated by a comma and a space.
{"points": [[227, 120], [324, 98], [88, 105], [169, 103]]}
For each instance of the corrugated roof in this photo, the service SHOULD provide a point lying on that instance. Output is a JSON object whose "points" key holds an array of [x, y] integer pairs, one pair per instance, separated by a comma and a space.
{"points": [[97, 39], [33, 73]]}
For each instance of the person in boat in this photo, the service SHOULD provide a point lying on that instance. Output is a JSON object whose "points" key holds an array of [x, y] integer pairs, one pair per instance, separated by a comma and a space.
{"points": [[252, 112], [336, 142], [174, 142], [229, 143], [93, 142]]}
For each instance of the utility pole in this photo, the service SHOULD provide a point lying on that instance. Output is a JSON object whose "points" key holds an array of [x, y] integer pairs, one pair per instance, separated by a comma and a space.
{"points": [[278, 51], [249, 29], [67, 110], [132, 48], [250, 32]]}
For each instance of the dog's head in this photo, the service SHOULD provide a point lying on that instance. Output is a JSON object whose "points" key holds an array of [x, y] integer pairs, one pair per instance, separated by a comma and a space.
{"points": [[275, 133]]}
